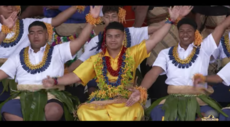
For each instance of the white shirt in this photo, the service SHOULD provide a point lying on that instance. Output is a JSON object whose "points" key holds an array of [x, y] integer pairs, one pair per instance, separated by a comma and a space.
{"points": [[23, 42], [137, 36], [224, 74], [61, 54], [178, 76]]}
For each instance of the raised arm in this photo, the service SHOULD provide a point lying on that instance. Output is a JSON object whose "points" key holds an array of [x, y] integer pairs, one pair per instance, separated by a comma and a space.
{"points": [[220, 29], [140, 15], [8, 24], [76, 44], [152, 29], [63, 16]]}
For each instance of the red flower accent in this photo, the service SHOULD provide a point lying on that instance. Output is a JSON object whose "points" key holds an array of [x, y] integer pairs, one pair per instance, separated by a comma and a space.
{"points": [[108, 64]]}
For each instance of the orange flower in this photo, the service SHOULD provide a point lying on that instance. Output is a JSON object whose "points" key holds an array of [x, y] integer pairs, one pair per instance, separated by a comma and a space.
{"points": [[121, 15], [80, 8], [49, 30], [196, 76], [90, 19], [5, 29], [198, 38]]}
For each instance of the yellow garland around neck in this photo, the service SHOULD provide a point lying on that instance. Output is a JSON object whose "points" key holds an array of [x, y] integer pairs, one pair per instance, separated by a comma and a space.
{"points": [[16, 31], [185, 61], [37, 66], [226, 41]]}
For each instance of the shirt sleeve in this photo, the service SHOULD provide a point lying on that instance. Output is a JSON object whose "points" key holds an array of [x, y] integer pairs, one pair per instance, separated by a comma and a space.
{"points": [[64, 52], [224, 74], [139, 52], [209, 45], [161, 60], [138, 35], [10, 66], [86, 71], [88, 52]]}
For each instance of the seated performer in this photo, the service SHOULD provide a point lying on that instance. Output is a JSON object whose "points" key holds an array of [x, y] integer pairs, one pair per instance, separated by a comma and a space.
{"points": [[133, 37], [32, 102], [114, 70], [180, 63], [14, 35]]}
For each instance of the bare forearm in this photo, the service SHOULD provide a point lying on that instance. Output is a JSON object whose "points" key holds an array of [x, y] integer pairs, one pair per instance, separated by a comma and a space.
{"points": [[213, 79], [152, 29], [2, 37], [68, 79], [63, 16], [220, 29], [3, 75], [157, 36], [140, 15], [32, 11], [76, 44], [198, 20], [148, 80], [74, 65]]}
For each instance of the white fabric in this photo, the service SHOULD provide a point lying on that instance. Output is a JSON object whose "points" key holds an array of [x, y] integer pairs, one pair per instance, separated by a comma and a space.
{"points": [[137, 36], [177, 76], [13, 67], [24, 41], [224, 74]]}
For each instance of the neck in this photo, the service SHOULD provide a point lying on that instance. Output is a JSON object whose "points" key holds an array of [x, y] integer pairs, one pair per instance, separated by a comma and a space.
{"points": [[36, 49], [114, 53], [184, 46]]}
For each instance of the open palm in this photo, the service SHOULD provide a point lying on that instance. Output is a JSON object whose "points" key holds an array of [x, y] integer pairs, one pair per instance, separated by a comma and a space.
{"points": [[174, 12], [135, 97], [95, 11], [10, 21], [185, 10]]}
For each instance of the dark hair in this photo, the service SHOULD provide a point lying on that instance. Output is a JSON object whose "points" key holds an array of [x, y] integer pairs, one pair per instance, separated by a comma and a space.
{"points": [[188, 21], [115, 25], [107, 9], [37, 23]]}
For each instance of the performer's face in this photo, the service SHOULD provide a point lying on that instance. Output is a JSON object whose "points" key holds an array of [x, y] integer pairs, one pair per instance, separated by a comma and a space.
{"points": [[110, 17], [38, 36], [6, 11], [114, 39], [186, 34]]}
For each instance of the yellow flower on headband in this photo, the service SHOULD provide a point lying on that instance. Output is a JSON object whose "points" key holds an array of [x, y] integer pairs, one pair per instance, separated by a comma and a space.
{"points": [[198, 38], [18, 8], [49, 30], [121, 15], [80, 8]]}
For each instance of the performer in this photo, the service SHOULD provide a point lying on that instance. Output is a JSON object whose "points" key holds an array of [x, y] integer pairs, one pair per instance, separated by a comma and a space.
{"points": [[221, 77], [14, 35], [32, 102], [180, 63], [133, 37], [114, 69]]}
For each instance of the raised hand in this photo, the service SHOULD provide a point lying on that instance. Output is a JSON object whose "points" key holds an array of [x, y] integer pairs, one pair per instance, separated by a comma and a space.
{"points": [[10, 21], [95, 11], [48, 82], [134, 98], [174, 12], [185, 10]]}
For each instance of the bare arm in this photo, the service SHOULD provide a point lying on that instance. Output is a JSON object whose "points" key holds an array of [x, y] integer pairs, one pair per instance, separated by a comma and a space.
{"points": [[74, 65], [2, 37], [63, 16], [76, 44], [3, 75], [68, 79], [140, 15], [152, 29], [32, 11], [213, 79], [151, 77], [220, 29]]}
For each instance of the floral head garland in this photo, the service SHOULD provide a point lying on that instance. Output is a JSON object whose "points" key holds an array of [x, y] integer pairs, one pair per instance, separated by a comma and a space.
{"points": [[18, 8], [80, 9], [49, 30]]}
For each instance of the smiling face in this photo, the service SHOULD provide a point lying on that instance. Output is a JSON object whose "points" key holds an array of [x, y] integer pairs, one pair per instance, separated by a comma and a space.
{"points": [[114, 39], [38, 37], [186, 34]]}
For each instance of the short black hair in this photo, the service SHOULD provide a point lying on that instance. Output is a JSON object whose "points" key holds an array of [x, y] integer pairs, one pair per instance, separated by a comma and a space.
{"points": [[37, 23], [115, 25], [188, 21], [106, 9]]}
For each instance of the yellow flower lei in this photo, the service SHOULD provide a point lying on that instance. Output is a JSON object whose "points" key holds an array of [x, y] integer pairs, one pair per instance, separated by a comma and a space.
{"points": [[226, 42], [49, 30], [16, 31], [41, 64], [107, 91], [121, 15], [185, 61]]}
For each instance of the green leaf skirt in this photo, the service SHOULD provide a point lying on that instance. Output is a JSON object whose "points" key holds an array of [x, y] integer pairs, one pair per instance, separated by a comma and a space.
{"points": [[33, 104], [183, 107]]}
